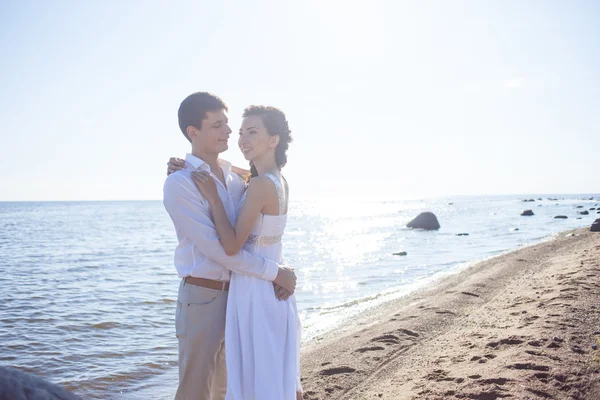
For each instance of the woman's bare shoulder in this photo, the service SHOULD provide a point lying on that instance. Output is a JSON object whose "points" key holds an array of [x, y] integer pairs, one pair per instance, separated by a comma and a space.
{"points": [[258, 185]]}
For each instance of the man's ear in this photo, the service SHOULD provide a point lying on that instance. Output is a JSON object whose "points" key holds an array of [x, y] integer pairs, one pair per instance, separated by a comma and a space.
{"points": [[192, 132]]}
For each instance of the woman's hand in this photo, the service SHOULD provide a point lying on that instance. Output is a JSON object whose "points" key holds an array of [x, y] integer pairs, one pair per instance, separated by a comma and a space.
{"points": [[281, 293], [207, 186], [175, 164]]}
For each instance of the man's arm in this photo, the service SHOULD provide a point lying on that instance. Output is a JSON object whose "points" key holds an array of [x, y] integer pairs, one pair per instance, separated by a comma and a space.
{"points": [[191, 216]]}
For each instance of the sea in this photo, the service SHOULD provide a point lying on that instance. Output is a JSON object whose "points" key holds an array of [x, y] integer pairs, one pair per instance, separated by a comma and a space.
{"points": [[88, 289]]}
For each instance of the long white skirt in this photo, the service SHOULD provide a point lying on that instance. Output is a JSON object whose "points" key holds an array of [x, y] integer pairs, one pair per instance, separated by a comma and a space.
{"points": [[262, 342]]}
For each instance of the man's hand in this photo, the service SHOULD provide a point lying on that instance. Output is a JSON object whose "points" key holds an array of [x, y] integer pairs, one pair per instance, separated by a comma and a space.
{"points": [[281, 293], [286, 278]]}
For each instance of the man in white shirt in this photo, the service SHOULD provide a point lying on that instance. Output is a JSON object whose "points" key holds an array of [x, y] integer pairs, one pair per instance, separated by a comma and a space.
{"points": [[200, 259]]}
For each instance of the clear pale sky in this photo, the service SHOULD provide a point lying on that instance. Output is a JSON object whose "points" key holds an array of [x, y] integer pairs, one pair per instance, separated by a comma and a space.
{"points": [[394, 98]]}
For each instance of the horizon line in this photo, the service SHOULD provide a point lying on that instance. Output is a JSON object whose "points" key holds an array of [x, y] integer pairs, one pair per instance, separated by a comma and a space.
{"points": [[320, 197]]}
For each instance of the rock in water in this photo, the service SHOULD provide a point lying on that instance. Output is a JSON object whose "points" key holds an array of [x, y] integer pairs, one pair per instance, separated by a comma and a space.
{"points": [[595, 226], [561, 217], [17, 384], [426, 220], [400, 253], [462, 234], [583, 213], [527, 213]]}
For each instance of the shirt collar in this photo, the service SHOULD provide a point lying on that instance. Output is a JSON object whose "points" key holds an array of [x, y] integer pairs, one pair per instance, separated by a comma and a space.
{"points": [[199, 164]]}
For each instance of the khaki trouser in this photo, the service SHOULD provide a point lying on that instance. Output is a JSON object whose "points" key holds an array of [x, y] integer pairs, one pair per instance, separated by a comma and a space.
{"points": [[200, 330]]}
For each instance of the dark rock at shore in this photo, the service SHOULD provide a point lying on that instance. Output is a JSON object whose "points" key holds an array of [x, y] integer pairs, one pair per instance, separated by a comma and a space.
{"points": [[578, 206], [595, 226], [539, 198], [514, 229], [528, 200], [400, 253], [16, 384], [462, 234], [593, 208], [527, 213], [561, 217], [583, 212], [426, 220]]}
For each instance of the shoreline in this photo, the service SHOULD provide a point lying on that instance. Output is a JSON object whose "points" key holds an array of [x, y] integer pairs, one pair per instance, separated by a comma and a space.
{"points": [[521, 325]]}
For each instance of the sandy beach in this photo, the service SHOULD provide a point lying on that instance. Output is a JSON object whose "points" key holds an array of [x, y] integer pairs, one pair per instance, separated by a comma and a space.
{"points": [[524, 325]]}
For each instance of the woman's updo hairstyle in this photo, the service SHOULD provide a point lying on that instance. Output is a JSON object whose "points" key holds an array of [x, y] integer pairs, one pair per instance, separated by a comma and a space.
{"points": [[276, 124]]}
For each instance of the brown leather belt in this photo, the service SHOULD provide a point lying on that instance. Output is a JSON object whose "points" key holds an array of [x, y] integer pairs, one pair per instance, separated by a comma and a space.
{"points": [[207, 283]]}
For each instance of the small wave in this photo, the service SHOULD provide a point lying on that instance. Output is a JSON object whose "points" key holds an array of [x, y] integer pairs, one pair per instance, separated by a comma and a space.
{"points": [[330, 309], [161, 301], [107, 325]]}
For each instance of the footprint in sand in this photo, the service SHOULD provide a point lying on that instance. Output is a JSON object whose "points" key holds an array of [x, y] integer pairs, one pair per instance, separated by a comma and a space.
{"points": [[529, 366], [542, 376], [512, 340], [365, 349], [438, 375], [337, 371], [494, 381], [408, 332], [393, 339], [540, 393]]}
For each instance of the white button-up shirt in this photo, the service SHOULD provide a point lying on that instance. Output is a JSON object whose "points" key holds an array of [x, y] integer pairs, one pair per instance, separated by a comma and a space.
{"points": [[199, 253]]}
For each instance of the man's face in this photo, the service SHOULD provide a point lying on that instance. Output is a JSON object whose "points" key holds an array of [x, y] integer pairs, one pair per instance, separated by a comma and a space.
{"points": [[213, 136]]}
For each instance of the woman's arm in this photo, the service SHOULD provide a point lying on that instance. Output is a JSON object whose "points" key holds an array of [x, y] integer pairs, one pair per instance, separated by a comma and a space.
{"points": [[232, 239]]}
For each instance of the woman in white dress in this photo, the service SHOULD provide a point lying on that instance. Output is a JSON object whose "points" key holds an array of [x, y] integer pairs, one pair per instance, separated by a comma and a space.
{"points": [[262, 333]]}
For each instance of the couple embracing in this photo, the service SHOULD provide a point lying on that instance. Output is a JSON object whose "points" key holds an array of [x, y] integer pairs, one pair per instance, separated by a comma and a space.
{"points": [[237, 323]]}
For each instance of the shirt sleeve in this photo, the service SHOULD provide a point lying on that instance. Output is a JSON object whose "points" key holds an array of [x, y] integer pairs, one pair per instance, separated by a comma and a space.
{"points": [[191, 216]]}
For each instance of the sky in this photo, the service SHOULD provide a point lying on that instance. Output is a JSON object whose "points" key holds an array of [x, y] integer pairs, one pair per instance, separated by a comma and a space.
{"points": [[394, 99]]}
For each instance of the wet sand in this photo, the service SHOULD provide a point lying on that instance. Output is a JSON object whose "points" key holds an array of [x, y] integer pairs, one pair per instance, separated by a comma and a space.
{"points": [[524, 325]]}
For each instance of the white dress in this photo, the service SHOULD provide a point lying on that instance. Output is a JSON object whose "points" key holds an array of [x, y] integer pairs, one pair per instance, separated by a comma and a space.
{"points": [[262, 334]]}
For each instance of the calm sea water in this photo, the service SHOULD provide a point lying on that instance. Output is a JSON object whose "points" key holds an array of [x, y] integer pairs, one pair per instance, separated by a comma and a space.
{"points": [[88, 289]]}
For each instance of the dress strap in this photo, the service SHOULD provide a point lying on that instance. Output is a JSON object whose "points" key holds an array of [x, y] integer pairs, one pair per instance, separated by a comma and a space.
{"points": [[280, 195]]}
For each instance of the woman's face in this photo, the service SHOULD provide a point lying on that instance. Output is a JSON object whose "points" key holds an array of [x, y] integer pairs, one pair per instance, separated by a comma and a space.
{"points": [[254, 139]]}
